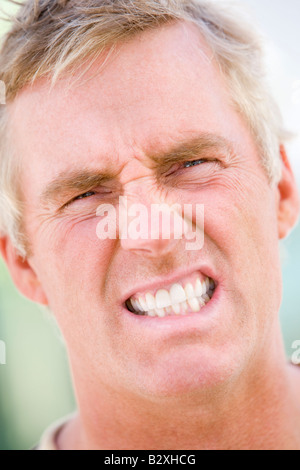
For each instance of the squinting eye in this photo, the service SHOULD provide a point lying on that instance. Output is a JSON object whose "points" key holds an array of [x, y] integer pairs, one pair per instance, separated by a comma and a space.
{"points": [[84, 196], [193, 163]]}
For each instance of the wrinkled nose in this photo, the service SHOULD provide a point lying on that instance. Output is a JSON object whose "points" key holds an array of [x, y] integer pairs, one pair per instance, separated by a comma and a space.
{"points": [[149, 227]]}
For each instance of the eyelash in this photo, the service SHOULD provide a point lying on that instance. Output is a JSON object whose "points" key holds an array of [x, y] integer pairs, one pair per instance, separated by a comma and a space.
{"points": [[189, 164], [192, 163], [185, 165], [84, 195]]}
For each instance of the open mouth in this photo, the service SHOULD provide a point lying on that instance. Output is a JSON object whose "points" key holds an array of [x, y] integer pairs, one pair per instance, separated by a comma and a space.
{"points": [[181, 298]]}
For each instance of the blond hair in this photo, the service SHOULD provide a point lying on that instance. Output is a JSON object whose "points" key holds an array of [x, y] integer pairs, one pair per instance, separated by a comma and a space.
{"points": [[50, 37]]}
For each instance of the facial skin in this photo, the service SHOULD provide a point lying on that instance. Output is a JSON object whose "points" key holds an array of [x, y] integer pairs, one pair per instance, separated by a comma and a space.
{"points": [[141, 104]]}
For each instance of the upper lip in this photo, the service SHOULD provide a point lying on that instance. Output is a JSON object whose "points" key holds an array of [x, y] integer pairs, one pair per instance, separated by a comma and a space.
{"points": [[165, 281]]}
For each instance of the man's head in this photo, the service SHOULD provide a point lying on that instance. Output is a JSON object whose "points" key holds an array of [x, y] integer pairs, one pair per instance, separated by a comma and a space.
{"points": [[50, 38], [134, 82]]}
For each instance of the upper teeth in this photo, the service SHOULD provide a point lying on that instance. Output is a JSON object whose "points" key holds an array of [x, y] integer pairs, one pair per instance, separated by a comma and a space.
{"points": [[175, 300]]}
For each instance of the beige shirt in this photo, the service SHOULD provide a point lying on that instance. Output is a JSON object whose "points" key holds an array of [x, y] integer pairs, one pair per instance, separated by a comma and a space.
{"points": [[49, 438]]}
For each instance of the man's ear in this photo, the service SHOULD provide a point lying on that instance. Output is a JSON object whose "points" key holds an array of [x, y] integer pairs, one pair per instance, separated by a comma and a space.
{"points": [[288, 205], [22, 273]]}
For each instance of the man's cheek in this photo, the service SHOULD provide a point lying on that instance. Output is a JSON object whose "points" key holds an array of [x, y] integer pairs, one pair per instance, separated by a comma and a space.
{"points": [[64, 232]]}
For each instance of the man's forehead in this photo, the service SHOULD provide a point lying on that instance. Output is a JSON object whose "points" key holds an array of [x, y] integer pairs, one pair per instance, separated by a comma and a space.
{"points": [[160, 87], [167, 47]]}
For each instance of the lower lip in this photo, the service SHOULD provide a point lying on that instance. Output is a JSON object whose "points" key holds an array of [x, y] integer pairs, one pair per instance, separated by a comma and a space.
{"points": [[207, 314]]}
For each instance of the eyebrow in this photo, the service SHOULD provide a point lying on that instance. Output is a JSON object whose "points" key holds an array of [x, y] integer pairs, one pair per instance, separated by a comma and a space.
{"points": [[207, 145], [80, 181], [76, 181]]}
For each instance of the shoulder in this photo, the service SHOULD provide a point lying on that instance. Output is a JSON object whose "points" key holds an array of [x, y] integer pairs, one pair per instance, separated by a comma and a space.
{"points": [[49, 440]]}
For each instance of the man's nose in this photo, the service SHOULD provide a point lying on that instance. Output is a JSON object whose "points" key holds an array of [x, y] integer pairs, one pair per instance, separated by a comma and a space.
{"points": [[149, 225], [150, 248]]}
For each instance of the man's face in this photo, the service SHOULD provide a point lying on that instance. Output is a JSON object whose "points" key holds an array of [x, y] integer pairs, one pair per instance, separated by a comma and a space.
{"points": [[162, 88]]}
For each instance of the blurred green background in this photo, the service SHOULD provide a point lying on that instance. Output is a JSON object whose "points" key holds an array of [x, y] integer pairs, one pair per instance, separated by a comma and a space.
{"points": [[35, 385]]}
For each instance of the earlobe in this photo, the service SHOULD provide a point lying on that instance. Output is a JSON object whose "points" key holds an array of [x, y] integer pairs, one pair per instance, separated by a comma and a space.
{"points": [[22, 273], [288, 201]]}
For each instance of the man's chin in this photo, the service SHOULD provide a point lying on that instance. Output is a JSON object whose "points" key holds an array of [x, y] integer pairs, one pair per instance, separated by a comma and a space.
{"points": [[189, 373]]}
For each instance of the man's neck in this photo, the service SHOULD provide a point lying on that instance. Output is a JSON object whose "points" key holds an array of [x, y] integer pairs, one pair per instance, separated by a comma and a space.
{"points": [[260, 410]]}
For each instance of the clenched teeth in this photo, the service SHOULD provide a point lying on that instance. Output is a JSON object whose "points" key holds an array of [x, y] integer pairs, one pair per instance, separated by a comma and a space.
{"points": [[178, 300]]}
